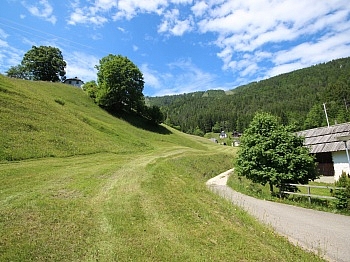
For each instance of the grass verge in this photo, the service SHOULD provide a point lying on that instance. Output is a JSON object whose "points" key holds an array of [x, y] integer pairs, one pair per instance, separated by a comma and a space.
{"points": [[245, 186]]}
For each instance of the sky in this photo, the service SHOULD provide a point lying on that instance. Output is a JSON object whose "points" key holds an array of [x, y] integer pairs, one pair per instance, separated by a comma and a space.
{"points": [[180, 46]]}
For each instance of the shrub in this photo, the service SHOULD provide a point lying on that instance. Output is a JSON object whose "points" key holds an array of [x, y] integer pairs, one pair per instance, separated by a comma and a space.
{"points": [[343, 195]]}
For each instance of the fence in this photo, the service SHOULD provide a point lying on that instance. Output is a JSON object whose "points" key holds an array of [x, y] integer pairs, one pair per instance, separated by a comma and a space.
{"points": [[309, 195]]}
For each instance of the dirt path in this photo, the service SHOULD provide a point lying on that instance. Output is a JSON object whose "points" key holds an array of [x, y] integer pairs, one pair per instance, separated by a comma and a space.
{"points": [[325, 233]]}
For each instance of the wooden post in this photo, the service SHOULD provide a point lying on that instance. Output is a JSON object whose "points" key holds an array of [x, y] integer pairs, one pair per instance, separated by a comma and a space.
{"points": [[309, 193]]}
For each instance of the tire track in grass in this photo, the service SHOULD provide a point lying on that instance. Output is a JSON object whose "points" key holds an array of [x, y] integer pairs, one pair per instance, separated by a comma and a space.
{"points": [[120, 190]]}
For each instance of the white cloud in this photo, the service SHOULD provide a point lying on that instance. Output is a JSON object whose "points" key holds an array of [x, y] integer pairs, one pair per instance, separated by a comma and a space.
{"points": [[199, 8], [84, 16], [172, 24], [43, 9], [9, 55], [130, 8], [180, 77], [298, 33], [135, 48], [150, 76], [81, 65]]}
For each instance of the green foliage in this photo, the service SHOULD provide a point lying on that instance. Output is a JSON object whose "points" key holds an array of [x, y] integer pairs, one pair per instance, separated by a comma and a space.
{"points": [[247, 187], [18, 71], [271, 153], [343, 195], [295, 98], [44, 63], [91, 89], [198, 132], [120, 84], [154, 114], [60, 101]]}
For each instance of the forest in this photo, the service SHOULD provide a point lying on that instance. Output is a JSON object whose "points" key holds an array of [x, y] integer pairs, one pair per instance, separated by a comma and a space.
{"points": [[297, 98]]}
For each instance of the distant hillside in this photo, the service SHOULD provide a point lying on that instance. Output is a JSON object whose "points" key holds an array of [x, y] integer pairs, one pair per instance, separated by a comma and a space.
{"points": [[42, 119], [296, 98]]}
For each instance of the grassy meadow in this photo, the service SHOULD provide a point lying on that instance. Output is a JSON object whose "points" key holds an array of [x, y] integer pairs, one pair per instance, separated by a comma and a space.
{"points": [[78, 184]]}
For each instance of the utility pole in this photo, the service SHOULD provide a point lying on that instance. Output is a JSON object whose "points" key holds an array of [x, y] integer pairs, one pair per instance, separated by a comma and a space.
{"points": [[325, 111]]}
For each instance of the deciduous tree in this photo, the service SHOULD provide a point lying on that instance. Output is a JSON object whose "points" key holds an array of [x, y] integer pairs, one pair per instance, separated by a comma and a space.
{"points": [[44, 63], [271, 153], [18, 72], [120, 84]]}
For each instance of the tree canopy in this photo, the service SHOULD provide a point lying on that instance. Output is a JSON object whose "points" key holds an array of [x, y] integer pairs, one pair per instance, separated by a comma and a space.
{"points": [[271, 153], [44, 63], [120, 84]]}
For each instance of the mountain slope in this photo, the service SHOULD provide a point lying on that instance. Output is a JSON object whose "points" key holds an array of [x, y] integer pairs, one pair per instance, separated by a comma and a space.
{"points": [[290, 96]]}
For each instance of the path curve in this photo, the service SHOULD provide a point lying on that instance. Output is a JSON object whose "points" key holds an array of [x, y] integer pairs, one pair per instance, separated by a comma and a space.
{"points": [[324, 233]]}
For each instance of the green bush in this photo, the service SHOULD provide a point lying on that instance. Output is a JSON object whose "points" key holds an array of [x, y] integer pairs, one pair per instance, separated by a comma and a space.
{"points": [[343, 195]]}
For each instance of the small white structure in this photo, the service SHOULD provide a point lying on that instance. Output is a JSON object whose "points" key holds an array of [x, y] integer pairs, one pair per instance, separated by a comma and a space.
{"points": [[74, 82], [223, 135], [327, 145]]}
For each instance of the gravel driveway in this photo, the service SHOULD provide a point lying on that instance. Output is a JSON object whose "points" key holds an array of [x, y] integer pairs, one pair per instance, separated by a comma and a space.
{"points": [[325, 233]]}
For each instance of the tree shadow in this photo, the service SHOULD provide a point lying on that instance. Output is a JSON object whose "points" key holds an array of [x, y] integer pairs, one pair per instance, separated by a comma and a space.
{"points": [[141, 122]]}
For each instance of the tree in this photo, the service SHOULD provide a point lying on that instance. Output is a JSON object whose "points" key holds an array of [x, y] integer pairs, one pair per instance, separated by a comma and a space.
{"points": [[154, 114], [315, 117], [18, 72], [120, 84], [270, 153], [44, 63], [91, 89]]}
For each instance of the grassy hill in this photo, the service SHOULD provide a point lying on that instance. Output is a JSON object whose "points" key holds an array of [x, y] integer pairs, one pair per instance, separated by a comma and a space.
{"points": [[77, 184], [55, 120]]}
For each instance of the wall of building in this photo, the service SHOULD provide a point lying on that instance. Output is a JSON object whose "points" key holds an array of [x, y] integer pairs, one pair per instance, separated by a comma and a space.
{"points": [[341, 163]]}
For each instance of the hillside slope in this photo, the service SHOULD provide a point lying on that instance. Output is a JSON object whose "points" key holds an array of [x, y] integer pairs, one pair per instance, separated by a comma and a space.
{"points": [[87, 186], [296, 98], [40, 119]]}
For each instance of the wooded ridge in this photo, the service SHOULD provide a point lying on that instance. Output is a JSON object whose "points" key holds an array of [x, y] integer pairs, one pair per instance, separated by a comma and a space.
{"points": [[295, 98]]}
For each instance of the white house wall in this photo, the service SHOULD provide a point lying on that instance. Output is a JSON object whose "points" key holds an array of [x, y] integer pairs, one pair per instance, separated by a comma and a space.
{"points": [[341, 164]]}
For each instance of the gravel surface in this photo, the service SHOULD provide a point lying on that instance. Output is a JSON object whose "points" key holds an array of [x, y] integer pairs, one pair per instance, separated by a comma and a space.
{"points": [[325, 233]]}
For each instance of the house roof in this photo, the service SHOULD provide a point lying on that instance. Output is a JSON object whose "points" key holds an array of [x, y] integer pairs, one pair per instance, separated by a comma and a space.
{"points": [[324, 139], [70, 79]]}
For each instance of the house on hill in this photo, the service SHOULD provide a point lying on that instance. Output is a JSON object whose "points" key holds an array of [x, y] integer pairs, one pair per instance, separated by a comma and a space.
{"points": [[74, 82], [328, 144]]}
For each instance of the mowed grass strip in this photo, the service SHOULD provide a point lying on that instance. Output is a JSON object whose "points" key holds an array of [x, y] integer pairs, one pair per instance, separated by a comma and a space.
{"points": [[151, 207]]}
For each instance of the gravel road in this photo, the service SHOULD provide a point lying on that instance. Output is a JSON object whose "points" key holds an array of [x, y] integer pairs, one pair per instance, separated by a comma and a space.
{"points": [[325, 233]]}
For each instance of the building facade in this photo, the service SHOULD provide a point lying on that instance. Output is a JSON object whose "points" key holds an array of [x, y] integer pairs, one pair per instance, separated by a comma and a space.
{"points": [[74, 82], [329, 149]]}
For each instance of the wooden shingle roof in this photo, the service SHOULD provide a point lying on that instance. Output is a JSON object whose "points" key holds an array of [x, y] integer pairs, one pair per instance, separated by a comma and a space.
{"points": [[324, 139]]}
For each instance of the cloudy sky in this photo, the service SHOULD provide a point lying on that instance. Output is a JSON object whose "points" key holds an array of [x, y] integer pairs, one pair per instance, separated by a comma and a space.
{"points": [[180, 46]]}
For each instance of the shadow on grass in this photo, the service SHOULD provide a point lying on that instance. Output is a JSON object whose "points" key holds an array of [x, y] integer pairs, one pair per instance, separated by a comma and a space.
{"points": [[141, 122]]}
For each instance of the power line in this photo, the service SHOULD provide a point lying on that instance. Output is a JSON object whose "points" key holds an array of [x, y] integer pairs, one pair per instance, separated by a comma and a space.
{"points": [[18, 28]]}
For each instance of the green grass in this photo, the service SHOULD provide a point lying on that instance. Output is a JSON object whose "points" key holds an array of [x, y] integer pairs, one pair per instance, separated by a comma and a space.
{"points": [[77, 184], [245, 186]]}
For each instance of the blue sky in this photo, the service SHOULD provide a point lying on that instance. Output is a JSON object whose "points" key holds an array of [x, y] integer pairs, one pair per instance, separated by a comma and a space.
{"points": [[180, 46]]}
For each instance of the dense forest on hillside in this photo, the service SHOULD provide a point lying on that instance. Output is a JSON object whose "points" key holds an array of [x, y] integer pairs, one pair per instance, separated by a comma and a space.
{"points": [[296, 98]]}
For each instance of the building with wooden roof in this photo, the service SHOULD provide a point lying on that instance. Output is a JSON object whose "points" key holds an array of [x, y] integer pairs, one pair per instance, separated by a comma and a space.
{"points": [[328, 144]]}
